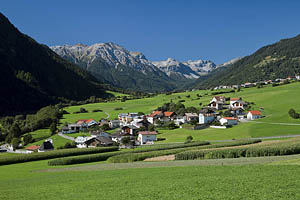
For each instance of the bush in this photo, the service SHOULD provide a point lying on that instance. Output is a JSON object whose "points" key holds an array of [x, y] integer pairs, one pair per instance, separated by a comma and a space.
{"points": [[293, 114], [97, 110], [118, 109], [5, 160]]}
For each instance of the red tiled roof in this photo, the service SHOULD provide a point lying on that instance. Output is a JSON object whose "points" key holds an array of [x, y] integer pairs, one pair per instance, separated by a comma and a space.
{"points": [[168, 114], [84, 121], [33, 147], [230, 118], [235, 99], [155, 113], [148, 132], [255, 112], [88, 121]]}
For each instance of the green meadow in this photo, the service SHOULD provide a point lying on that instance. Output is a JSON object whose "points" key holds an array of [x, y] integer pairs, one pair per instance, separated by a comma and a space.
{"points": [[276, 102], [199, 179]]}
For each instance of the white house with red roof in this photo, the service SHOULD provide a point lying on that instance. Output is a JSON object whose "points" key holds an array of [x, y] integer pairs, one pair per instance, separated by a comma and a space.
{"points": [[237, 103], [229, 121], [86, 122], [254, 114], [146, 137], [155, 115]]}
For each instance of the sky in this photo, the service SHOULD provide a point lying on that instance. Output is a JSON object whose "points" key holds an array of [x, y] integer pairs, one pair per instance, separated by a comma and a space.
{"points": [[216, 30]]}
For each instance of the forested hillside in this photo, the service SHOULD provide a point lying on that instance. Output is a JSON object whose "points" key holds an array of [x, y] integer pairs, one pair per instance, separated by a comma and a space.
{"points": [[33, 76], [278, 60]]}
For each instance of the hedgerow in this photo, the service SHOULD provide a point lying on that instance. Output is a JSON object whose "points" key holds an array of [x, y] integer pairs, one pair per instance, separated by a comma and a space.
{"points": [[278, 149], [105, 156], [133, 157], [5, 160]]}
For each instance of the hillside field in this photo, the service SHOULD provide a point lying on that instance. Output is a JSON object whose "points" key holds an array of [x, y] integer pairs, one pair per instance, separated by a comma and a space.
{"points": [[276, 102]]}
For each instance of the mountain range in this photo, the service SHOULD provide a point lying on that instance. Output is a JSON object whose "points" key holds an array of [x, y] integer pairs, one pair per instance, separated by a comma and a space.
{"points": [[119, 67], [34, 75]]}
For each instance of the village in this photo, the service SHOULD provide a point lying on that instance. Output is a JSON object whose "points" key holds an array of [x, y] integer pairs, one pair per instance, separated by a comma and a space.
{"points": [[134, 129]]}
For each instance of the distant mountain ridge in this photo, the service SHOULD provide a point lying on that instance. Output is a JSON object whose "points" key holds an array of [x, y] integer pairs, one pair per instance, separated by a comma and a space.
{"points": [[278, 60], [189, 69], [116, 65]]}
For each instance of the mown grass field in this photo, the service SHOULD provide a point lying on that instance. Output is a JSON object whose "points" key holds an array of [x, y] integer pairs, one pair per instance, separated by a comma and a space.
{"points": [[192, 180]]}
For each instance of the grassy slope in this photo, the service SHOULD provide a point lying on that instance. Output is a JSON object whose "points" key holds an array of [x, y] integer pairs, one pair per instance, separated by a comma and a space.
{"points": [[57, 141], [24, 181], [276, 102]]}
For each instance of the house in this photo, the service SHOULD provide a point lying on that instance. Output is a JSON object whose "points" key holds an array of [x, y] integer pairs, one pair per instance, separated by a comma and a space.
{"points": [[155, 115], [236, 111], [46, 146], [114, 124], [141, 123], [169, 115], [228, 121], [126, 118], [179, 120], [130, 129], [191, 116], [254, 114], [99, 133], [80, 141], [87, 122], [98, 141], [71, 128], [147, 137], [33, 148], [237, 103], [217, 102], [117, 137], [206, 118], [247, 85]]}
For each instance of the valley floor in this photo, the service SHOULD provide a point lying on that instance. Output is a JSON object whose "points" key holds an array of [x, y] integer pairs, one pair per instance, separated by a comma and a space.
{"points": [[243, 178]]}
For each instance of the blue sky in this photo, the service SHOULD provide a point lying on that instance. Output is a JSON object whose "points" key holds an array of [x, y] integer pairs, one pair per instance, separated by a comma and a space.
{"points": [[181, 29]]}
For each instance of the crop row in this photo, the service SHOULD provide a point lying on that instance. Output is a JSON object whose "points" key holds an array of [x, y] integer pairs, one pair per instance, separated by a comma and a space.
{"points": [[277, 149], [5, 160], [133, 157], [105, 156]]}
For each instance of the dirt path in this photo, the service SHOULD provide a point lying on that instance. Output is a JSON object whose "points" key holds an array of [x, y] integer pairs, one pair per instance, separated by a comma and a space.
{"points": [[161, 158]]}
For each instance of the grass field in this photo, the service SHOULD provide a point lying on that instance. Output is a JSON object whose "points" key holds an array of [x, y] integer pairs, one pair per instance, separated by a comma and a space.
{"points": [[276, 102], [151, 180], [57, 141]]}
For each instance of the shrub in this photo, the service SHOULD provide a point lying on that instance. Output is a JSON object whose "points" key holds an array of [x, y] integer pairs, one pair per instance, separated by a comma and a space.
{"points": [[293, 114], [97, 110], [118, 108], [83, 110]]}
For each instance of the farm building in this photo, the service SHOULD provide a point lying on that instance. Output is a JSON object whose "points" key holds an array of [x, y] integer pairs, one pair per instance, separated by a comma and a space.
{"points": [[254, 114], [228, 121]]}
